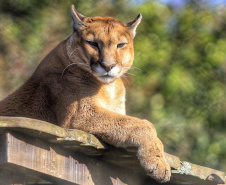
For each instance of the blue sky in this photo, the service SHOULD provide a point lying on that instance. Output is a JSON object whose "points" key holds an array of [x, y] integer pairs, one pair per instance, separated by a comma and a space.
{"points": [[180, 3]]}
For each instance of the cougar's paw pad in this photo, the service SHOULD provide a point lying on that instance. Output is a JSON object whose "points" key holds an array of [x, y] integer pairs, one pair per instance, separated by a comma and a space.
{"points": [[159, 171]]}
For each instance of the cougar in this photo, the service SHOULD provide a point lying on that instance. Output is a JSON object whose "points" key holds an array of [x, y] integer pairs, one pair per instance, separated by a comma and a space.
{"points": [[78, 85]]}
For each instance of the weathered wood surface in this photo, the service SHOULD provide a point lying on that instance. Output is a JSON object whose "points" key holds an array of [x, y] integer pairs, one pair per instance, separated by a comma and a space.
{"points": [[79, 141], [50, 162]]}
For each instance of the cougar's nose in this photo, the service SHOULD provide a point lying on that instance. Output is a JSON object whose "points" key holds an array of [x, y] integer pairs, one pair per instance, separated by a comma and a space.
{"points": [[107, 67]]}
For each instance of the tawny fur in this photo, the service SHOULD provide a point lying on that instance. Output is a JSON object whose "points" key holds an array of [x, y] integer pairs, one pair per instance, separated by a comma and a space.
{"points": [[75, 86]]}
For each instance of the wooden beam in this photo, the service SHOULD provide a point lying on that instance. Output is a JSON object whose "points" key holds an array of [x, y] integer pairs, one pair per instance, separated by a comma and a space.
{"points": [[54, 164], [82, 142], [45, 130]]}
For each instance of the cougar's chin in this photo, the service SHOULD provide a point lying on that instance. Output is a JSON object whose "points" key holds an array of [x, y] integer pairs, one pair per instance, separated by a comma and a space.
{"points": [[106, 79], [106, 76]]}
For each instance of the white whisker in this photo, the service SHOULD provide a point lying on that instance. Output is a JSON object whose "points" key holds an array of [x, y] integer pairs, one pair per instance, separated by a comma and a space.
{"points": [[73, 52], [83, 64], [132, 68], [130, 74], [137, 55], [66, 68], [124, 77], [137, 68], [71, 65]]}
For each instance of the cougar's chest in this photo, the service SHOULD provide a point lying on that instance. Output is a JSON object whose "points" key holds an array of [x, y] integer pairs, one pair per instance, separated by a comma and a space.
{"points": [[112, 97]]}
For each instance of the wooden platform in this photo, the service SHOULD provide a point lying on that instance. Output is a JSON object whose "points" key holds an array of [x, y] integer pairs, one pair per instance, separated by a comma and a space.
{"points": [[37, 152]]}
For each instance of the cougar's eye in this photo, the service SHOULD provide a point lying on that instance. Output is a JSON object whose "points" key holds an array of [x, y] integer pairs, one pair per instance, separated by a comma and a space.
{"points": [[91, 43], [121, 45]]}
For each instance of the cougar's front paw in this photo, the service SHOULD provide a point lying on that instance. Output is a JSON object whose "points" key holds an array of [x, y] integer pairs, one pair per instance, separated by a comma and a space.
{"points": [[159, 170], [155, 165]]}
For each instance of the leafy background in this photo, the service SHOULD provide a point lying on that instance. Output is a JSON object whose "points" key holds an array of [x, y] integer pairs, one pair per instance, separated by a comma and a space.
{"points": [[179, 74]]}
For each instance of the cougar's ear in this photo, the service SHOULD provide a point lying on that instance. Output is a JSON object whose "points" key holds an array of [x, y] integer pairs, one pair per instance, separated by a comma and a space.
{"points": [[132, 25], [77, 19]]}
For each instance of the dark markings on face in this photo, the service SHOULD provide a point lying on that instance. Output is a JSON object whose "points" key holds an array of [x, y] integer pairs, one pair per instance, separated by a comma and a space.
{"points": [[93, 62], [113, 30], [109, 43]]}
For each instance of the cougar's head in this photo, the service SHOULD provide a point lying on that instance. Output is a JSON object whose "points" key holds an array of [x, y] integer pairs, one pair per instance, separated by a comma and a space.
{"points": [[102, 46]]}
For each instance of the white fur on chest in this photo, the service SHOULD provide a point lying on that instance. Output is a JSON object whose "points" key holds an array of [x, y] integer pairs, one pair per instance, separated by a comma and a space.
{"points": [[112, 101], [111, 91]]}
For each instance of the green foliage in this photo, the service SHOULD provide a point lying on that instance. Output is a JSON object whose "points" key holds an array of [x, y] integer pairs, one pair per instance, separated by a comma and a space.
{"points": [[181, 54]]}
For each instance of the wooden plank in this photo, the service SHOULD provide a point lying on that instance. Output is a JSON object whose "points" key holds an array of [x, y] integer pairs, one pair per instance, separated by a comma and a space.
{"points": [[71, 138], [79, 141], [42, 129], [36, 155], [51, 162]]}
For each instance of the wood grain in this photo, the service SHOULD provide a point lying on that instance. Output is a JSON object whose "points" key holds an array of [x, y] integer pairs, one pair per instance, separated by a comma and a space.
{"points": [[73, 156], [47, 160]]}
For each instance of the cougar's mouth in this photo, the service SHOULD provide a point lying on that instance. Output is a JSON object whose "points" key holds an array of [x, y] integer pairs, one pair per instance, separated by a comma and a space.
{"points": [[106, 78]]}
